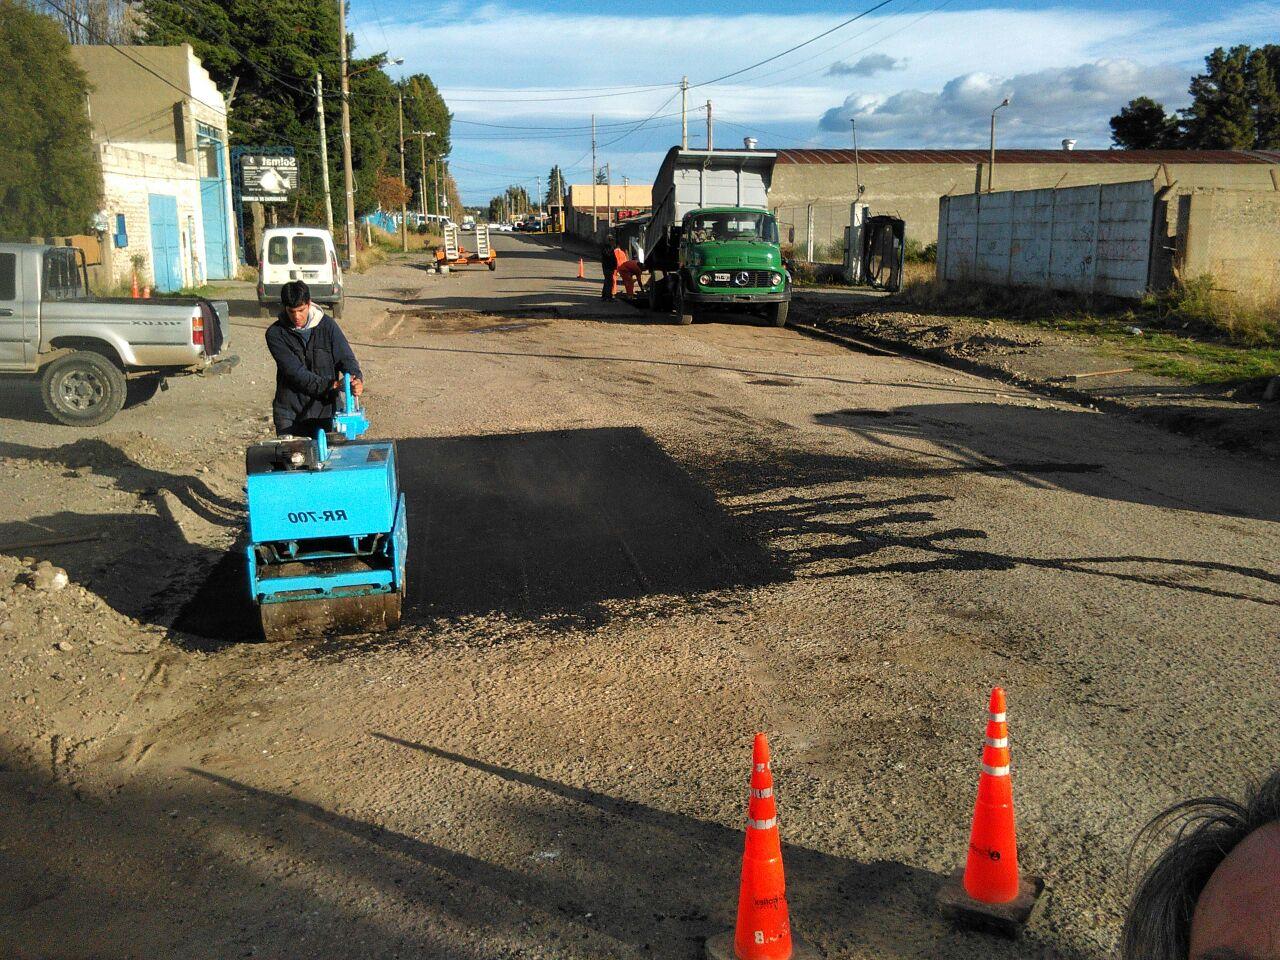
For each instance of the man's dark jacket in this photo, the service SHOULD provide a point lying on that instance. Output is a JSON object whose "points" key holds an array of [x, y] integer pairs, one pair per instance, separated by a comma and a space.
{"points": [[305, 372]]}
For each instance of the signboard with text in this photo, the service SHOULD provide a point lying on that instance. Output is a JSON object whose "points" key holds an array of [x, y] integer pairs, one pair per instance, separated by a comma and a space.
{"points": [[268, 178]]}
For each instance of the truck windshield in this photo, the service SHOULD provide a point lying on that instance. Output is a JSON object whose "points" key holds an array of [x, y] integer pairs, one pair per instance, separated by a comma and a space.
{"points": [[731, 225]]}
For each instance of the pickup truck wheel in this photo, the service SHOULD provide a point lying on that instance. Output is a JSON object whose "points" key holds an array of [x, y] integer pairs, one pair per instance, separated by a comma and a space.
{"points": [[141, 389], [82, 389], [778, 314]]}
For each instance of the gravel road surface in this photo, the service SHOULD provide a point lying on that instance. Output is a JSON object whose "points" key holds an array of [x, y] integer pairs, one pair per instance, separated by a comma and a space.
{"points": [[633, 545]]}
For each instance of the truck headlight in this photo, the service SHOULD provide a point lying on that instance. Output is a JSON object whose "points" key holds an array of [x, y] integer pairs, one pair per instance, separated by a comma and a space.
{"points": [[705, 279], [775, 279]]}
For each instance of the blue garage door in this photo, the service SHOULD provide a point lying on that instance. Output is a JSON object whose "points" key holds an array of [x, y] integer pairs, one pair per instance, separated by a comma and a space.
{"points": [[213, 203], [166, 244]]}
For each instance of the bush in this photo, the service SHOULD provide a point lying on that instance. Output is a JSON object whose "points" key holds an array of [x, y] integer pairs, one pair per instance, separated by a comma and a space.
{"points": [[916, 252], [1199, 304]]}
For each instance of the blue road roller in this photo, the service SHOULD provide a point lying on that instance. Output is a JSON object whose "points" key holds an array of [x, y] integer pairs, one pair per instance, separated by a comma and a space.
{"points": [[327, 530]]}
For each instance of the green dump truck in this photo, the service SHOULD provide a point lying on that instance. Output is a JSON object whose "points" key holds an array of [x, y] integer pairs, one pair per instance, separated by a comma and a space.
{"points": [[711, 243]]}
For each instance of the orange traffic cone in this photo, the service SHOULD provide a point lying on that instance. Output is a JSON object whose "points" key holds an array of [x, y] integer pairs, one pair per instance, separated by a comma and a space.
{"points": [[991, 893], [133, 291], [581, 274], [146, 292], [763, 929], [991, 873]]}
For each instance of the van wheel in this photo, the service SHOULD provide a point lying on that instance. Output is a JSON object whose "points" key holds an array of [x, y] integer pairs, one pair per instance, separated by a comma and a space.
{"points": [[338, 308], [82, 389]]}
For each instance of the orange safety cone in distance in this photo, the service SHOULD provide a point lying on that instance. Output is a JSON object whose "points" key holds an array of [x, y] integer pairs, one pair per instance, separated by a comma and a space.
{"points": [[991, 872], [146, 292], [581, 275], [763, 928], [133, 291], [988, 892]]}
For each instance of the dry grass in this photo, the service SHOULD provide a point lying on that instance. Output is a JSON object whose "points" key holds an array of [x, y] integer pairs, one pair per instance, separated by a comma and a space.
{"points": [[1200, 305]]}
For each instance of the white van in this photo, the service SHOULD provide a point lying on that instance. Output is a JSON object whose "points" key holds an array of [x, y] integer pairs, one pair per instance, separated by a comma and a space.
{"points": [[299, 253]]}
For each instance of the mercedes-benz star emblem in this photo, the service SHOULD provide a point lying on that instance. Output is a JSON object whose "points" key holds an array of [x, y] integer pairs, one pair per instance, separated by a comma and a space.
{"points": [[742, 278]]}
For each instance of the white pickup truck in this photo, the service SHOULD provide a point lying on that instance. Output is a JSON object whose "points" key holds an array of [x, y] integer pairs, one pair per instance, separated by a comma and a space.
{"points": [[91, 353]]}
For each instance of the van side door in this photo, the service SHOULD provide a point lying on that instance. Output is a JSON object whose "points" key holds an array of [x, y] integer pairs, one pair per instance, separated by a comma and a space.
{"points": [[19, 314]]}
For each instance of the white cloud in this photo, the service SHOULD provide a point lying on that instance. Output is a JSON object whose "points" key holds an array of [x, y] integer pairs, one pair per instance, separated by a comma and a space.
{"points": [[1045, 105], [867, 66]]}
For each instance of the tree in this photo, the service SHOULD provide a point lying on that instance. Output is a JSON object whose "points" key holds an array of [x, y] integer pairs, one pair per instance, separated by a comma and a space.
{"points": [[1220, 116], [50, 180], [555, 186], [94, 21], [1143, 125], [391, 192], [602, 175], [1264, 68]]}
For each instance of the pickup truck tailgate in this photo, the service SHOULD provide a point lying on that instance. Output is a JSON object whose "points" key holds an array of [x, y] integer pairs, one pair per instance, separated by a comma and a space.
{"points": [[216, 318]]}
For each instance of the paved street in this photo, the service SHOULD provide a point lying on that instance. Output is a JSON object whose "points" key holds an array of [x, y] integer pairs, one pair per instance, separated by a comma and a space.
{"points": [[633, 544]]}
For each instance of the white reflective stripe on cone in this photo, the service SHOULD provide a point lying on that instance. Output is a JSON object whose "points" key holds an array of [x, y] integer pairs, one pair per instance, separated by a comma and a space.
{"points": [[761, 767], [761, 824], [995, 771], [996, 717], [762, 794], [997, 741]]}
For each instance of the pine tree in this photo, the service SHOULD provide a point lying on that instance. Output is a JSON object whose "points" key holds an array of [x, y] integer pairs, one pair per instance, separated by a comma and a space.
{"points": [[1143, 125], [555, 186], [1265, 96], [1220, 116], [50, 181]]}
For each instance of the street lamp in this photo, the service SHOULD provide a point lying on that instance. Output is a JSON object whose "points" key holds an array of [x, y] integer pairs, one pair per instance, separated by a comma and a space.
{"points": [[991, 166]]}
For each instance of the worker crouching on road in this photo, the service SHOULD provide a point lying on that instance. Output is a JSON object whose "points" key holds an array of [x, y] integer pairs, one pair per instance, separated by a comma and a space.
{"points": [[631, 272], [311, 354]]}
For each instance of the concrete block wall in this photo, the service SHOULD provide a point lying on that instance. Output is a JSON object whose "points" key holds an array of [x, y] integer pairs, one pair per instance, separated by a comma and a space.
{"points": [[1234, 236], [911, 190], [1090, 239]]}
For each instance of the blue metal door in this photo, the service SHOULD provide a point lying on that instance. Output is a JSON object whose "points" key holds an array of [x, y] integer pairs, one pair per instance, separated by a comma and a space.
{"points": [[166, 245], [213, 204]]}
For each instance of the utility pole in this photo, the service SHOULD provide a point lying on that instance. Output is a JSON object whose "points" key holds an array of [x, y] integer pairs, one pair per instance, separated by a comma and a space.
{"points": [[608, 195], [684, 113], [404, 211], [538, 182], [857, 167], [324, 156], [348, 185], [422, 181], [991, 166], [595, 203], [709, 126]]}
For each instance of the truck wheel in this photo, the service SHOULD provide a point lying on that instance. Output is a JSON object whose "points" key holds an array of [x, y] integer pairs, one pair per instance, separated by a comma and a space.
{"points": [[493, 264], [684, 312], [778, 314], [82, 389], [339, 306], [141, 389]]}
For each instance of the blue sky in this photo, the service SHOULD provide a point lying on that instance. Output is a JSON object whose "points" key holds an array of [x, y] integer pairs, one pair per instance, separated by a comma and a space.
{"points": [[523, 79]]}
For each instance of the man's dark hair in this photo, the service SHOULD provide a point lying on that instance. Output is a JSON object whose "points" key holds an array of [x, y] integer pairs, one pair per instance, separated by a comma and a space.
{"points": [[294, 294], [1158, 925]]}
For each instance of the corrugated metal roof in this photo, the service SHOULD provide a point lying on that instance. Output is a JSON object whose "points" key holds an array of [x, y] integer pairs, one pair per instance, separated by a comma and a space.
{"points": [[1028, 156]]}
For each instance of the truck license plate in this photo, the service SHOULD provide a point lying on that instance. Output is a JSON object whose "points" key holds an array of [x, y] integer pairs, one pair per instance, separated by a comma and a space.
{"points": [[722, 278]]}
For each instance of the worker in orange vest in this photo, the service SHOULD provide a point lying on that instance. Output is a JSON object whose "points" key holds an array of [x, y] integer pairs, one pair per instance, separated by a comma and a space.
{"points": [[630, 272]]}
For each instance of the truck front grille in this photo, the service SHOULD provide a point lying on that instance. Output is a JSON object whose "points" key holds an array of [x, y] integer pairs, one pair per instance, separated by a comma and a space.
{"points": [[754, 278]]}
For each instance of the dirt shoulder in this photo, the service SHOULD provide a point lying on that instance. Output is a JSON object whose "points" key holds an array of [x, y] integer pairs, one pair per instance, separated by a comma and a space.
{"points": [[1091, 370]]}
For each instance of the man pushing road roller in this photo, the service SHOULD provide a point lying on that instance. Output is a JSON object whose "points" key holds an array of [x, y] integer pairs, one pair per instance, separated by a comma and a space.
{"points": [[311, 355]]}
